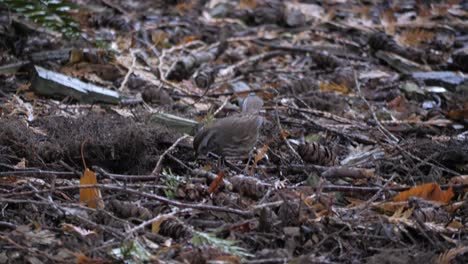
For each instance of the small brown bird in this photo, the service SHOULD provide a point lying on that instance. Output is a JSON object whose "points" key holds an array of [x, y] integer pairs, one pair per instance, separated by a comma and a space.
{"points": [[234, 136]]}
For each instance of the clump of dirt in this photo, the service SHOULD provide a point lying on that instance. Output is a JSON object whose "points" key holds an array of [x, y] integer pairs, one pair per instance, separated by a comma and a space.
{"points": [[113, 142]]}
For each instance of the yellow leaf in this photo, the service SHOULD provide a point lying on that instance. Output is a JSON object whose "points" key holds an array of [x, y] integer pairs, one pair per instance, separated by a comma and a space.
{"points": [[90, 196], [156, 224], [390, 207], [333, 87], [76, 56]]}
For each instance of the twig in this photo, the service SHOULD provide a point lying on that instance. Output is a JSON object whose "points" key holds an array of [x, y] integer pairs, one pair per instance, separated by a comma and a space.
{"points": [[228, 71], [161, 199], [393, 139], [221, 107], [154, 219], [38, 173], [130, 71], [364, 206], [278, 123], [157, 169], [29, 250]]}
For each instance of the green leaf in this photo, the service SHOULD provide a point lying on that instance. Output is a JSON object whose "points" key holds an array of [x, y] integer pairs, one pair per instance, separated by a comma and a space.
{"points": [[228, 246]]}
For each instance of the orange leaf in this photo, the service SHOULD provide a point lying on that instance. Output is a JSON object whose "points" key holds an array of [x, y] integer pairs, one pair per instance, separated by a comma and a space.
{"points": [[189, 39], [458, 114], [218, 182], [83, 259], [90, 196], [261, 153], [284, 134], [7, 179], [428, 191]]}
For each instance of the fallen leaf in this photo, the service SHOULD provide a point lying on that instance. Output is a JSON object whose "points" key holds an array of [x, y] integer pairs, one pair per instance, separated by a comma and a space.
{"points": [[82, 259], [78, 230], [462, 179], [260, 155], [156, 224], [90, 196], [333, 87], [458, 114], [428, 191], [217, 183], [247, 4]]}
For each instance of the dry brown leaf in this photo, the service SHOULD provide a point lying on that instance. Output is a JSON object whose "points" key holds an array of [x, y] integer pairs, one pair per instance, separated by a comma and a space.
{"points": [[78, 230], [448, 256], [414, 37], [401, 214], [23, 87], [124, 43], [90, 196], [260, 155], [217, 183], [184, 6], [82, 259], [159, 37], [189, 39], [29, 96], [428, 191], [456, 225], [458, 114], [455, 206], [389, 21], [247, 4], [462, 179], [228, 259], [390, 207], [284, 134], [8, 179], [76, 55], [333, 87]]}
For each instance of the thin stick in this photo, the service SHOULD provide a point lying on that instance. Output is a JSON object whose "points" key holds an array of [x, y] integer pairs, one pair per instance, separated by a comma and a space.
{"points": [[154, 219], [157, 169], [130, 71], [82, 153], [393, 139]]}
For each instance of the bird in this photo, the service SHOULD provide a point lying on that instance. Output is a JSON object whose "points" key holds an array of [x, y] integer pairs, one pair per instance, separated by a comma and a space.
{"points": [[229, 137], [234, 136], [252, 104]]}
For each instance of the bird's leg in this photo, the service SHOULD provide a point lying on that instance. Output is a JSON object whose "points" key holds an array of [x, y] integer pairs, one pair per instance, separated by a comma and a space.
{"points": [[219, 159], [246, 169]]}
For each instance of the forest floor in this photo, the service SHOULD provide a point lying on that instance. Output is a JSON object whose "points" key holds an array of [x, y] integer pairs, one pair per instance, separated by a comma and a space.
{"points": [[363, 157]]}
